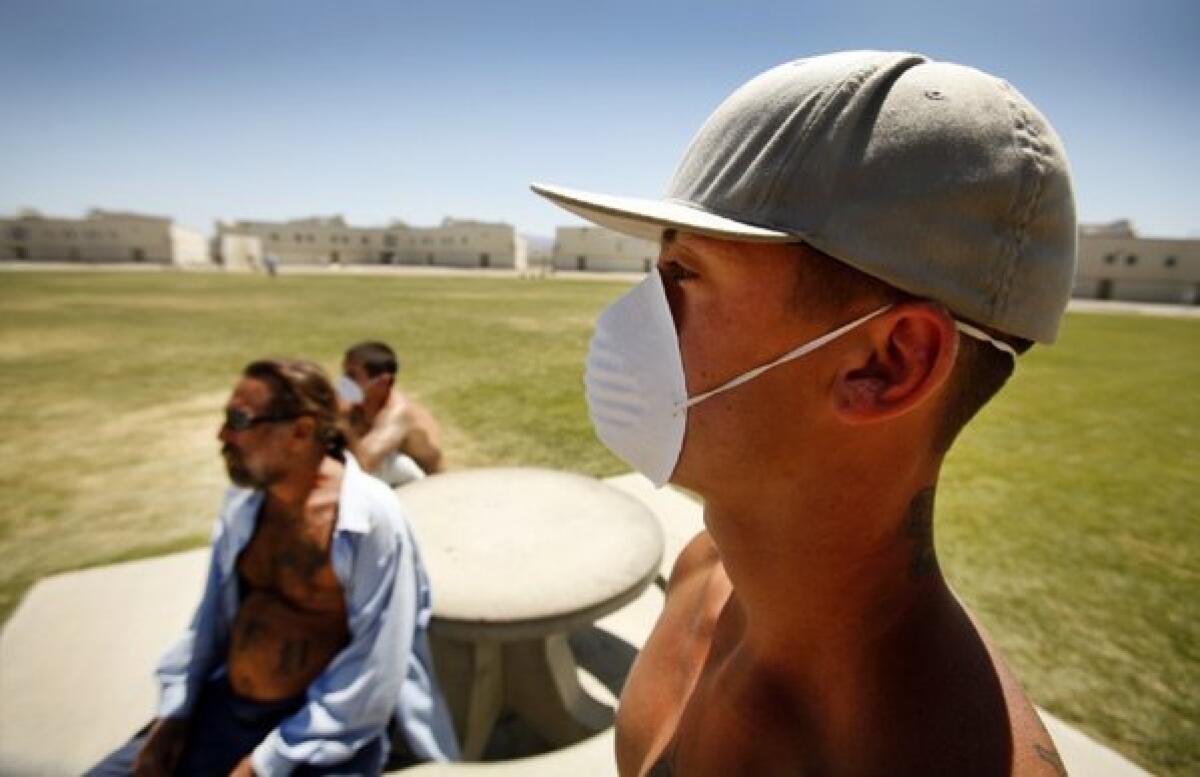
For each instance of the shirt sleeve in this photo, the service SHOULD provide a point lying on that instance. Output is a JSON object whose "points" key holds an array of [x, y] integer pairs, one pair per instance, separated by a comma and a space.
{"points": [[183, 668], [351, 702]]}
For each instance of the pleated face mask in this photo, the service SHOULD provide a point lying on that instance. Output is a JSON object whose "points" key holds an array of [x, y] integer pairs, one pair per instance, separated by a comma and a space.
{"points": [[636, 391]]}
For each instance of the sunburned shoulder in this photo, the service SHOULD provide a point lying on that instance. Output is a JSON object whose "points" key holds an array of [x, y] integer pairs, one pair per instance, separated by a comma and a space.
{"points": [[699, 558]]}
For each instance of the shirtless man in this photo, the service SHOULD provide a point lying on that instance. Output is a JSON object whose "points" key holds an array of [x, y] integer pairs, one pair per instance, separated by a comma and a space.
{"points": [[855, 248], [391, 435], [310, 637]]}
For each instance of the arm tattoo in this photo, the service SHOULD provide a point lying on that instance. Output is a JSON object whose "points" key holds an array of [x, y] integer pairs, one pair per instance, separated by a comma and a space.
{"points": [[1050, 756], [918, 526]]}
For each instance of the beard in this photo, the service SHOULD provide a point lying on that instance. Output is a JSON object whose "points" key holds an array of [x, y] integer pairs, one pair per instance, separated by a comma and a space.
{"points": [[240, 474]]}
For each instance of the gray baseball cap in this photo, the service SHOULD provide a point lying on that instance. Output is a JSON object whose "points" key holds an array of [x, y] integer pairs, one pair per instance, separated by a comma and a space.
{"points": [[936, 178]]}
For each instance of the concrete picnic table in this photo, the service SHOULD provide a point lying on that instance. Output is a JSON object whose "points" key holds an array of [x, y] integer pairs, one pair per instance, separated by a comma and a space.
{"points": [[518, 558]]}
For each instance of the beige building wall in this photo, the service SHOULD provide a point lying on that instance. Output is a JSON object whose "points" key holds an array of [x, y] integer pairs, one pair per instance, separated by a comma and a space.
{"points": [[239, 252], [188, 246], [101, 236], [601, 250], [461, 243], [331, 241], [1114, 263], [311, 241]]}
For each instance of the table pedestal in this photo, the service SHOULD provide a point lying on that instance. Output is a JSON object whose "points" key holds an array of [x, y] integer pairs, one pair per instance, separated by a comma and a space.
{"points": [[536, 679]]}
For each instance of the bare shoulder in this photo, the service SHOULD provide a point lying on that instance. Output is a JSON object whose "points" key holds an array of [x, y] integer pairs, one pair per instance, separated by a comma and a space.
{"points": [[698, 558], [406, 412], [1033, 751], [665, 671]]}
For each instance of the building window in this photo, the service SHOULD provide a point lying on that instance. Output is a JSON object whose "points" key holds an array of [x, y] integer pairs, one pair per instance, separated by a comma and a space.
{"points": [[1170, 261], [1110, 259], [18, 233], [1131, 259], [275, 236], [366, 240], [299, 238], [464, 240]]}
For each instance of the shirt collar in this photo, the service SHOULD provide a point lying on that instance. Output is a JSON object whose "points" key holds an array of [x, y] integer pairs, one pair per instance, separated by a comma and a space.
{"points": [[354, 511]]}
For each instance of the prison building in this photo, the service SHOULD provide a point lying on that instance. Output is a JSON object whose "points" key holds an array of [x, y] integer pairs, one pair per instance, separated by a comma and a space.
{"points": [[1115, 263], [101, 236], [330, 241], [601, 250]]}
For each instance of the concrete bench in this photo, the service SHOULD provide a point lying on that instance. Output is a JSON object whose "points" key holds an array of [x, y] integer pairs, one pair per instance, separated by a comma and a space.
{"points": [[72, 688]]}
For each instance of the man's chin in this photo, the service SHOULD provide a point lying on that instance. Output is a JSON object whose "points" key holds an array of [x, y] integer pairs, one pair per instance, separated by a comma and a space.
{"points": [[241, 478]]}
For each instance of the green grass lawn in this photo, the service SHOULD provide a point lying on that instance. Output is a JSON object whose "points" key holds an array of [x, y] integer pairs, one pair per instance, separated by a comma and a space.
{"points": [[1067, 510]]}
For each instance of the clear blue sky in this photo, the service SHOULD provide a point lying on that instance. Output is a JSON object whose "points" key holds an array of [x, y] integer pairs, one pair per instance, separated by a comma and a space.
{"points": [[379, 110]]}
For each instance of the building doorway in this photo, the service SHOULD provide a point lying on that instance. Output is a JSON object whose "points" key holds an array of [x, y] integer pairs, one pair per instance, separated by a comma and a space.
{"points": [[139, 255], [1104, 290], [485, 260]]}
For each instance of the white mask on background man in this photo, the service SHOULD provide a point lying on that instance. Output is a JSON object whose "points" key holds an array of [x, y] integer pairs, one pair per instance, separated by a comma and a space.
{"points": [[636, 394], [348, 390]]}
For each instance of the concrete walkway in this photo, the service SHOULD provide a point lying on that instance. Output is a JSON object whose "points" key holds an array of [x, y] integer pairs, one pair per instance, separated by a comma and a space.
{"points": [[72, 688]]}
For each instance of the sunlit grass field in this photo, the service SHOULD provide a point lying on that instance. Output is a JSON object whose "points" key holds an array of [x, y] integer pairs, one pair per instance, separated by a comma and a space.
{"points": [[1068, 511]]}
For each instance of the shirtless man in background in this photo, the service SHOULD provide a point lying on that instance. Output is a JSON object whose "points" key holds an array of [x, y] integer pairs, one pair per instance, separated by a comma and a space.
{"points": [[393, 437], [855, 249], [314, 584]]}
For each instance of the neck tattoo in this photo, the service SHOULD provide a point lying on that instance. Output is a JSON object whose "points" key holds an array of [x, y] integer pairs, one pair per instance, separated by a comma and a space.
{"points": [[918, 527]]}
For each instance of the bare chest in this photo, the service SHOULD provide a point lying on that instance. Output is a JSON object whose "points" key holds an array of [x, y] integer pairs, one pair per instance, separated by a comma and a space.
{"points": [[292, 560]]}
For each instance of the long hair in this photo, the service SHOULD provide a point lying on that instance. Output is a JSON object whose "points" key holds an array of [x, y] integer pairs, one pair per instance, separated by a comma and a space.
{"points": [[301, 388]]}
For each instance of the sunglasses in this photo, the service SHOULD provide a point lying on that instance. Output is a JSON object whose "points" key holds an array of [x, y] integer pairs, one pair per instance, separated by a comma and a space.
{"points": [[240, 420]]}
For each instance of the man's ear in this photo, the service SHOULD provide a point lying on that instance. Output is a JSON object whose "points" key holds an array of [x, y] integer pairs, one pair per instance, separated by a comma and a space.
{"points": [[304, 428], [905, 359]]}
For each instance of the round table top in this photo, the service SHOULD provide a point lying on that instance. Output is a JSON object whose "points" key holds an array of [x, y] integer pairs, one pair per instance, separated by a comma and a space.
{"points": [[520, 552]]}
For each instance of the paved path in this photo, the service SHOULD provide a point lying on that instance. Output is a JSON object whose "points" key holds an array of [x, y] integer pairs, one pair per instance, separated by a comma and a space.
{"points": [[72, 687]]}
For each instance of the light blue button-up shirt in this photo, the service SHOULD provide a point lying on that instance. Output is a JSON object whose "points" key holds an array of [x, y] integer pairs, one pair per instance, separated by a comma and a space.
{"points": [[386, 671]]}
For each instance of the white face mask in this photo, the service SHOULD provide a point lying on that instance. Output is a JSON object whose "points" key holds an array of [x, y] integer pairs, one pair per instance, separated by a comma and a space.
{"points": [[636, 391], [348, 390]]}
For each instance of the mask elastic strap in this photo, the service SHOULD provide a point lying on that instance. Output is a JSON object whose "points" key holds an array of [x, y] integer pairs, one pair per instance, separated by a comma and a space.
{"points": [[979, 334], [796, 353]]}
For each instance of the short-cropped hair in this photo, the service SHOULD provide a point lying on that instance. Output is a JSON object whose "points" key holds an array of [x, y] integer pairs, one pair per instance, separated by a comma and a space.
{"points": [[376, 357]]}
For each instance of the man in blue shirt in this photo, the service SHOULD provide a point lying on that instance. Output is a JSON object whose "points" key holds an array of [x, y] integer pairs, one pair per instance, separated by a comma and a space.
{"points": [[308, 652]]}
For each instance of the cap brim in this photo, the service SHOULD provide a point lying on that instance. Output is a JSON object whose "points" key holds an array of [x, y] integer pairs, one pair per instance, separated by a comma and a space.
{"points": [[648, 219]]}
